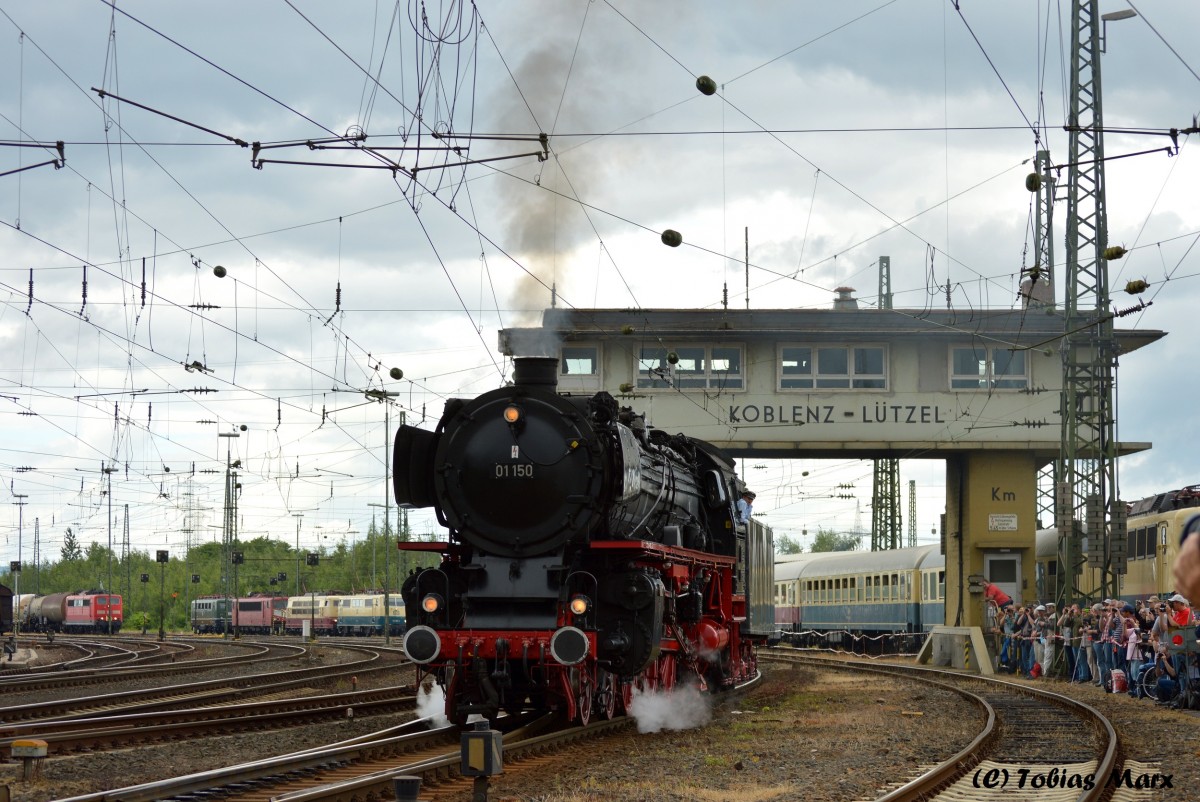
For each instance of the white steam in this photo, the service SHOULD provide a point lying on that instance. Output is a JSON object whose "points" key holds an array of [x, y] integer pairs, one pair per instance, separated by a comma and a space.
{"points": [[431, 704], [682, 708]]}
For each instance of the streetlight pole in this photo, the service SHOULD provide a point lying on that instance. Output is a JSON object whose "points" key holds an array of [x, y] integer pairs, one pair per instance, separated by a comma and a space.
{"points": [[108, 472], [382, 396], [387, 612], [228, 535], [298, 516], [20, 502]]}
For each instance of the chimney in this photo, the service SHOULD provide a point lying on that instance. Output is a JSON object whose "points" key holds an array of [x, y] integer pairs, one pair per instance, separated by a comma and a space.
{"points": [[536, 371], [845, 298]]}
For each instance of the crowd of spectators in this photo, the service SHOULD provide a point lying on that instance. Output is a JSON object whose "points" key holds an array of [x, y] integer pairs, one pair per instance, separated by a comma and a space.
{"points": [[1139, 648]]}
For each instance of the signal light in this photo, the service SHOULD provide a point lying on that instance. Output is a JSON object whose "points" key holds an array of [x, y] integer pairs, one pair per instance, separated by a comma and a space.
{"points": [[580, 605], [431, 603], [512, 414]]}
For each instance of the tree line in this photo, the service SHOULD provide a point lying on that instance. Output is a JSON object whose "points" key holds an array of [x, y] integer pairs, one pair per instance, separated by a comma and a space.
{"points": [[268, 565], [826, 540]]}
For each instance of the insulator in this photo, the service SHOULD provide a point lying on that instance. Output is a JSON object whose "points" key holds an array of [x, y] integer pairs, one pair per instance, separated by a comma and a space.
{"points": [[1137, 286], [1115, 252], [706, 85], [1033, 182], [1094, 511], [672, 238]]}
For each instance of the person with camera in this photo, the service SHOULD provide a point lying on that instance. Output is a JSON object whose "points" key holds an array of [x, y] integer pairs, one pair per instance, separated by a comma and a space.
{"points": [[1085, 661], [1179, 620], [1167, 678], [1104, 649], [1133, 648], [1008, 629], [1023, 628], [1145, 658], [1068, 623], [1048, 635]]}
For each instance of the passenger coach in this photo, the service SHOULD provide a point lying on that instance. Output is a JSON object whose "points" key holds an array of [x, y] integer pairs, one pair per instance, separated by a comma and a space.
{"points": [[861, 593]]}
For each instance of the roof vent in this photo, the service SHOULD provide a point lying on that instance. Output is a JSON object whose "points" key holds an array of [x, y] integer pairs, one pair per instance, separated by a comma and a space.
{"points": [[845, 298]]}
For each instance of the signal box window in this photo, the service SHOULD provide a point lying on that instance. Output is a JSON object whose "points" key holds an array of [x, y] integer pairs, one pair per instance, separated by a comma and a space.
{"points": [[579, 368], [981, 368], [691, 367], [579, 361], [833, 367]]}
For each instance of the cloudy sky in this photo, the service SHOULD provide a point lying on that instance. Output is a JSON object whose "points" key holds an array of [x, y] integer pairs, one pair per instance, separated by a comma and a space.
{"points": [[839, 132]]}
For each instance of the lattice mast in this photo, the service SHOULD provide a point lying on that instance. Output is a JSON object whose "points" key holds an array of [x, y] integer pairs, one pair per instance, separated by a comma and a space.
{"points": [[1087, 473], [126, 561], [885, 492]]}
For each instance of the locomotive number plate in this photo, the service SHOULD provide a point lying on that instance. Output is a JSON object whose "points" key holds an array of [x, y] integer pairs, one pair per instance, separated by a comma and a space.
{"points": [[514, 470]]}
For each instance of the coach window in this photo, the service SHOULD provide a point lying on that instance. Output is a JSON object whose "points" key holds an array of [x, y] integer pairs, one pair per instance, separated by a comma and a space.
{"points": [[982, 368]]}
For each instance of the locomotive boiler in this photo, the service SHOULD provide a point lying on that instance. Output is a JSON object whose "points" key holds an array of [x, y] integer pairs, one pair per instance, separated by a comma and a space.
{"points": [[588, 554]]}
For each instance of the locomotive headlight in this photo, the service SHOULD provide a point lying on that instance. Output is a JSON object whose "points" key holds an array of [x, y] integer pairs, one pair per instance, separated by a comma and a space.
{"points": [[580, 604], [513, 415], [431, 603]]}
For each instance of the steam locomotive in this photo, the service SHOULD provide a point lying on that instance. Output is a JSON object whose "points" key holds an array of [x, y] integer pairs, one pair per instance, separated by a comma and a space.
{"points": [[588, 555]]}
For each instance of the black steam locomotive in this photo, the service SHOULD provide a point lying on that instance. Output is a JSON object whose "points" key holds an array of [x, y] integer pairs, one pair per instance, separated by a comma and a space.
{"points": [[588, 555]]}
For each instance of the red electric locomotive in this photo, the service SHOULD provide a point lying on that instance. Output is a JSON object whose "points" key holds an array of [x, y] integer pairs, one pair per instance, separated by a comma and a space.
{"points": [[588, 554], [92, 611], [259, 614]]}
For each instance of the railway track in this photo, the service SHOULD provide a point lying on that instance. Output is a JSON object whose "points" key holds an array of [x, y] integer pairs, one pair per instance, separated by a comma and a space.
{"points": [[134, 729], [364, 768], [1035, 744], [187, 695], [358, 769], [134, 659]]}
